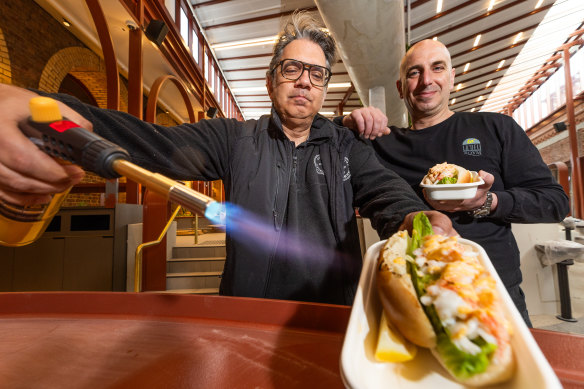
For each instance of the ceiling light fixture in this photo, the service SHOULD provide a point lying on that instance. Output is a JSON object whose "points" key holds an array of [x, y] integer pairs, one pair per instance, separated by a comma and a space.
{"points": [[489, 83], [439, 6], [473, 109], [458, 87], [66, 23], [340, 85], [517, 38], [452, 101], [476, 41], [500, 64], [466, 67], [245, 43], [491, 5], [249, 89], [480, 98], [539, 3], [435, 38]]}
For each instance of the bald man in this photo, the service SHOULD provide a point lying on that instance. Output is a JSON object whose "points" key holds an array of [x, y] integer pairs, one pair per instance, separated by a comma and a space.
{"points": [[518, 188]]}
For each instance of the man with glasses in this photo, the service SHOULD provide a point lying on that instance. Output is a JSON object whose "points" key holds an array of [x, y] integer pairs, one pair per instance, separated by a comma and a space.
{"points": [[296, 172]]}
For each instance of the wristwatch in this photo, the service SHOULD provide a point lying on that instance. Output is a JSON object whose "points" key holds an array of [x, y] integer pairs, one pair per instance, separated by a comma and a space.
{"points": [[485, 209]]}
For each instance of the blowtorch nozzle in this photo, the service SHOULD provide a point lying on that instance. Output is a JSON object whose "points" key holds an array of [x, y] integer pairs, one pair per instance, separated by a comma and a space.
{"points": [[64, 139]]}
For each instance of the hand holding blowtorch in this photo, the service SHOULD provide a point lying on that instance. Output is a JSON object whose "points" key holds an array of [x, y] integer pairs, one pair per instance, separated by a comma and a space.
{"points": [[65, 140]]}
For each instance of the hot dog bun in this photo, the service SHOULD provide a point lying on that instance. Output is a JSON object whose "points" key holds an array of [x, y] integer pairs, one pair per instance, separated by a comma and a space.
{"points": [[464, 302], [398, 296], [442, 170]]}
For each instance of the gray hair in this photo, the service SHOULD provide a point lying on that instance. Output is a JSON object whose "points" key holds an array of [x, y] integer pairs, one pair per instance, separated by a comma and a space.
{"points": [[303, 26]]}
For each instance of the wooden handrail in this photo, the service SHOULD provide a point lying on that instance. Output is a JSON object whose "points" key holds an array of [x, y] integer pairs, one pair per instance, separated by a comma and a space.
{"points": [[563, 177], [138, 257]]}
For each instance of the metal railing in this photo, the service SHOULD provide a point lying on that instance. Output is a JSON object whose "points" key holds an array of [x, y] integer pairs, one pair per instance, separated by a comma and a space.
{"points": [[138, 257]]}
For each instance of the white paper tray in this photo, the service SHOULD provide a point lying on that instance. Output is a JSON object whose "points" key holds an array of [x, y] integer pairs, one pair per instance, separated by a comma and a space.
{"points": [[452, 191], [359, 369]]}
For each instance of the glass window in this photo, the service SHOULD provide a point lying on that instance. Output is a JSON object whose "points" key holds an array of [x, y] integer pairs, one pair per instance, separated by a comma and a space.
{"points": [[207, 70], [212, 75], [577, 66], [184, 26], [552, 94], [170, 6], [195, 44]]}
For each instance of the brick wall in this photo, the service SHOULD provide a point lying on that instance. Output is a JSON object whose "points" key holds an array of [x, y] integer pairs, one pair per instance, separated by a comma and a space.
{"points": [[40, 53], [558, 147], [5, 70], [32, 37]]}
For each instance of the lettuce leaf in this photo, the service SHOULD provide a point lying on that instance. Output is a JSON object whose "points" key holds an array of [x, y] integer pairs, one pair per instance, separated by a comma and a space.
{"points": [[420, 228], [448, 180], [460, 363]]}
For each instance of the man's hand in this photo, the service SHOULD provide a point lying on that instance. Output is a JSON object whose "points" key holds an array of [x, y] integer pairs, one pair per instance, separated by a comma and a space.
{"points": [[441, 224], [370, 122], [468, 204], [27, 175]]}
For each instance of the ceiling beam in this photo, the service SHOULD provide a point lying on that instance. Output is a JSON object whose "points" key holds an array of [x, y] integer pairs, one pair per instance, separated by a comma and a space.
{"points": [[206, 3], [257, 19]]}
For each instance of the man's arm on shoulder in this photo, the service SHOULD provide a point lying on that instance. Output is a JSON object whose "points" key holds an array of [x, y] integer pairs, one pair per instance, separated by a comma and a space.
{"points": [[369, 122]]}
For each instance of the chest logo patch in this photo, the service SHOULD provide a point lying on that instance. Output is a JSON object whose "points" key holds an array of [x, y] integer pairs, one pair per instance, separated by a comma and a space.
{"points": [[346, 170], [319, 170], [471, 146], [318, 165]]}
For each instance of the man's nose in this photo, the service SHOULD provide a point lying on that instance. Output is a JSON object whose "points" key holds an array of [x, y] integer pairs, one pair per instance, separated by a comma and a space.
{"points": [[426, 78], [304, 79]]}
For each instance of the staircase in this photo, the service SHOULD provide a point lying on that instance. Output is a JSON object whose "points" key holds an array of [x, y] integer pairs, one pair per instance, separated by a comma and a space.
{"points": [[196, 269]]}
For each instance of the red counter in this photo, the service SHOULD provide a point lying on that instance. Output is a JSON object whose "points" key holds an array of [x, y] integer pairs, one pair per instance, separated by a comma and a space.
{"points": [[128, 340]]}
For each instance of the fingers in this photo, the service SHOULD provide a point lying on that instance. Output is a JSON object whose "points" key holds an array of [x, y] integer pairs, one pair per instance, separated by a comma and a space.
{"points": [[441, 224], [19, 188], [27, 175], [488, 178], [370, 122]]}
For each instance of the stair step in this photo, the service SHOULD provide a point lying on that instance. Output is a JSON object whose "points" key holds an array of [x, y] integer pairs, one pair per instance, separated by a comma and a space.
{"points": [[189, 265], [193, 280], [195, 274], [198, 251], [195, 259], [209, 291]]}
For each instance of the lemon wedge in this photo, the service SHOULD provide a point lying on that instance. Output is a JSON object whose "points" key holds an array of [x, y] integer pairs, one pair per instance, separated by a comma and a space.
{"points": [[391, 345]]}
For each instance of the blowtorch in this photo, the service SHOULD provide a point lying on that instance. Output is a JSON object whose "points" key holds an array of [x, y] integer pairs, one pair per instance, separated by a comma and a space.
{"points": [[69, 143]]}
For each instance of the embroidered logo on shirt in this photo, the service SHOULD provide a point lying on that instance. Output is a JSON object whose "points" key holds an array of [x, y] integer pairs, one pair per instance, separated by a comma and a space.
{"points": [[318, 165], [346, 170], [471, 146]]}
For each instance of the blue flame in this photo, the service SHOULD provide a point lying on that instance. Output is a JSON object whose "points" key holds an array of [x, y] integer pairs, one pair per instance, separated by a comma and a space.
{"points": [[249, 229]]}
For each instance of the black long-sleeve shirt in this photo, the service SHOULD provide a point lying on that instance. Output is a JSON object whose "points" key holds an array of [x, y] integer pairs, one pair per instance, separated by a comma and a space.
{"points": [[495, 143], [304, 245]]}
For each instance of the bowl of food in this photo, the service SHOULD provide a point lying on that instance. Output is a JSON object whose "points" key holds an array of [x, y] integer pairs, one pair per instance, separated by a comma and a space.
{"points": [[447, 181]]}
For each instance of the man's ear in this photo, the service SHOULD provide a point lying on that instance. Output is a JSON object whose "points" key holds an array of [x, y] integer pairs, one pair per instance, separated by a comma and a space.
{"points": [[269, 86], [398, 84]]}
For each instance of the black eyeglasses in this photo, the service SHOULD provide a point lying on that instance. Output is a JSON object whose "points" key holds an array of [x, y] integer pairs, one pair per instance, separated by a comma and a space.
{"points": [[292, 69]]}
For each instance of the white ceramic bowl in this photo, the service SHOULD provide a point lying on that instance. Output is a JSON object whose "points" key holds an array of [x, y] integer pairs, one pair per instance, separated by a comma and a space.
{"points": [[452, 191]]}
